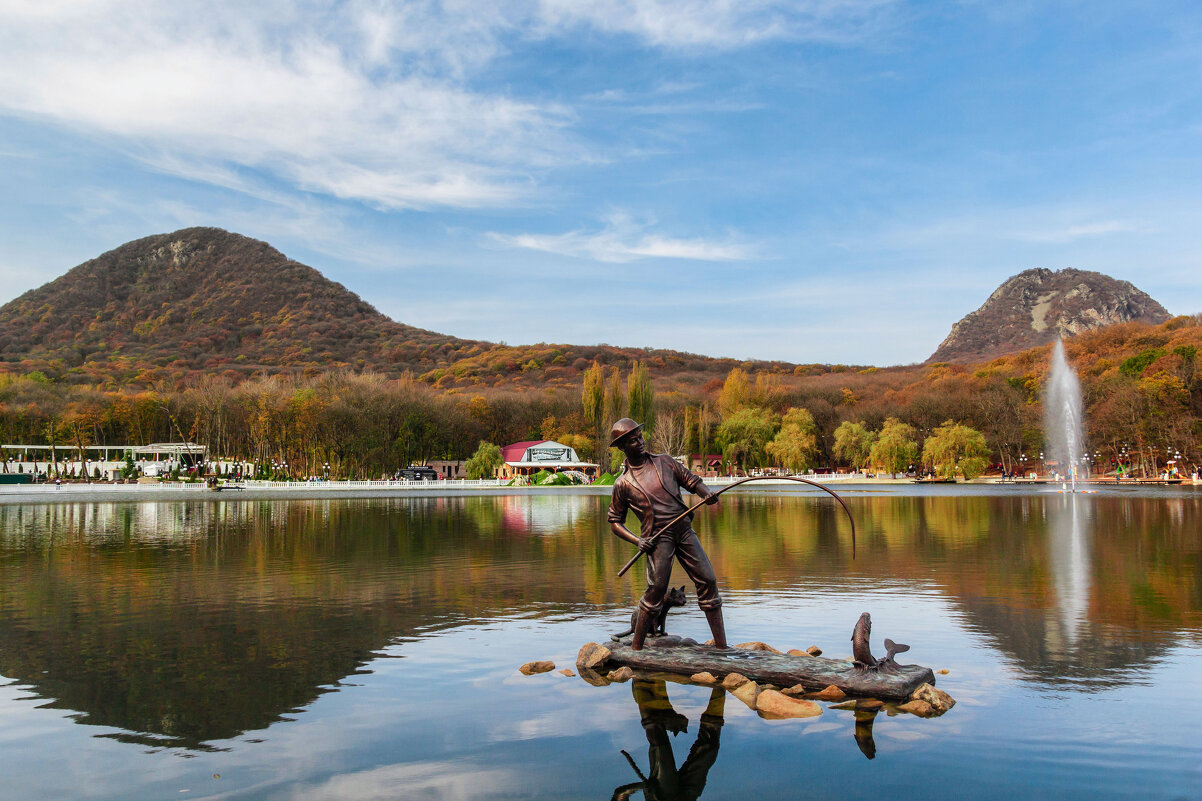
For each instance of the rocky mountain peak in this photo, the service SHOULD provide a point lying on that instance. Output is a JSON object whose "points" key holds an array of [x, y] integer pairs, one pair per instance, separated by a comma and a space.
{"points": [[1036, 306]]}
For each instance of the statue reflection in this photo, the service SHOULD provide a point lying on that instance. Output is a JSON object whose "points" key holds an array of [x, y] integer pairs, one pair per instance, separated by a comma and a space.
{"points": [[666, 782], [863, 734]]}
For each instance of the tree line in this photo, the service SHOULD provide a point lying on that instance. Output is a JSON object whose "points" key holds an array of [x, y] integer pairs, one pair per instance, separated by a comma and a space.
{"points": [[1140, 384]]}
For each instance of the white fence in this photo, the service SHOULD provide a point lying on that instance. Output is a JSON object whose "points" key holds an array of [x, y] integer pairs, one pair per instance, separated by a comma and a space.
{"points": [[463, 483], [174, 487]]}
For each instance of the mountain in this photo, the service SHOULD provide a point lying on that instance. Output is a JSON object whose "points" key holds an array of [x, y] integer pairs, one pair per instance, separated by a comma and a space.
{"points": [[1036, 306], [204, 299]]}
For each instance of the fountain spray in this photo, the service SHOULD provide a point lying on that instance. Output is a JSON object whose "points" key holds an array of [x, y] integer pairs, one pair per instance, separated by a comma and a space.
{"points": [[1062, 415]]}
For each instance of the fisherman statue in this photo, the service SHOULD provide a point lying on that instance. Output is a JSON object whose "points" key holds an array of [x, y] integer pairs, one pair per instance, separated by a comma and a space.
{"points": [[651, 485]]}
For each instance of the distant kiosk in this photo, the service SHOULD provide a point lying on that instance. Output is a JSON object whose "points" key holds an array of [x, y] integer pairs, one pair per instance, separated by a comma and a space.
{"points": [[528, 458]]}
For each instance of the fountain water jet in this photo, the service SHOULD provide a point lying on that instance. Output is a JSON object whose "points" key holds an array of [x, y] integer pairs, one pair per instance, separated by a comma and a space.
{"points": [[1062, 415]]}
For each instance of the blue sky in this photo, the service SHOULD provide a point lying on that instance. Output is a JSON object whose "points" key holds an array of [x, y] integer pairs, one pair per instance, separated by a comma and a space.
{"points": [[814, 181]]}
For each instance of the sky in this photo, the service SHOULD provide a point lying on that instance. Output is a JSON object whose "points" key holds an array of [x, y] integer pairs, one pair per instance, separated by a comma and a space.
{"points": [[833, 181]]}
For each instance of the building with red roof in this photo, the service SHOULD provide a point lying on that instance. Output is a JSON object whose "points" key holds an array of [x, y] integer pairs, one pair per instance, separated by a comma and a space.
{"points": [[533, 456]]}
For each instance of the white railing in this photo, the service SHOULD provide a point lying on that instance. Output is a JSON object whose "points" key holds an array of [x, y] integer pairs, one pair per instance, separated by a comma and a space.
{"points": [[462, 483], [333, 486]]}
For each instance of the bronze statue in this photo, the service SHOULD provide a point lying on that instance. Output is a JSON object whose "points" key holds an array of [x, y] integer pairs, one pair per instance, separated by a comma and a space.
{"points": [[658, 628], [861, 652], [668, 782], [651, 485]]}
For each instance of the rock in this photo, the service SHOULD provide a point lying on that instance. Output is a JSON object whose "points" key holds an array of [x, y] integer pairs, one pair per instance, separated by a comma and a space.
{"points": [[939, 700], [796, 689], [568, 672], [943, 672], [755, 645], [771, 703], [920, 708], [828, 693], [844, 705], [869, 703], [703, 678], [747, 692], [797, 652], [593, 677], [734, 680], [814, 650], [530, 668], [592, 656], [623, 673]]}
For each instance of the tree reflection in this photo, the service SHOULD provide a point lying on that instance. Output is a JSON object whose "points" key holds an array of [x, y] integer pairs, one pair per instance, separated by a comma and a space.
{"points": [[184, 623]]}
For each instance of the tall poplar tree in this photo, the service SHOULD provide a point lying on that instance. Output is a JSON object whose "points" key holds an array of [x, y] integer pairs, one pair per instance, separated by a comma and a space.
{"points": [[640, 397], [593, 400]]}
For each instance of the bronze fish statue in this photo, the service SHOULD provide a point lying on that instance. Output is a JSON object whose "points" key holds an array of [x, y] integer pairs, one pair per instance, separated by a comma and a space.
{"points": [[892, 649], [861, 652]]}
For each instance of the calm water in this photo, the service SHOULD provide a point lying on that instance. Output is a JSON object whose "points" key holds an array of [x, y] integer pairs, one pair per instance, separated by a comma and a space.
{"points": [[367, 649]]}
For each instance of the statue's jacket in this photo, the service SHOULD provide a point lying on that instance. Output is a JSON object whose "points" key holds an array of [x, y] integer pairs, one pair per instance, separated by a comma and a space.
{"points": [[652, 491]]}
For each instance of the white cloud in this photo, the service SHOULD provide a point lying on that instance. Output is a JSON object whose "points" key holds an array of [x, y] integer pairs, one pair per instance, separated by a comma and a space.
{"points": [[1069, 232], [623, 240], [360, 100], [308, 97], [723, 23]]}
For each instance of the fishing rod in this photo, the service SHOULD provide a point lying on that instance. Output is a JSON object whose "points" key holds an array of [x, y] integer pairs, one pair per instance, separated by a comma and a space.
{"points": [[699, 504]]}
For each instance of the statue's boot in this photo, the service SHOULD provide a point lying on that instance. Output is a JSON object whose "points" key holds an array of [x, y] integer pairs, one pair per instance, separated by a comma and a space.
{"points": [[641, 625], [714, 617]]}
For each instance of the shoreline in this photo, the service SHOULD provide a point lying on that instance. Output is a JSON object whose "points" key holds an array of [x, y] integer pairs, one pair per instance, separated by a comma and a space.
{"points": [[324, 490]]}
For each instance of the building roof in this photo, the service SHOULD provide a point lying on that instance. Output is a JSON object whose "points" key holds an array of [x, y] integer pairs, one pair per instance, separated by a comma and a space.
{"points": [[514, 452]]}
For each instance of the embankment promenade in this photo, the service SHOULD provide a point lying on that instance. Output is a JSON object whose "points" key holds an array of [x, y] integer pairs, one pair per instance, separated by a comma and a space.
{"points": [[275, 490]]}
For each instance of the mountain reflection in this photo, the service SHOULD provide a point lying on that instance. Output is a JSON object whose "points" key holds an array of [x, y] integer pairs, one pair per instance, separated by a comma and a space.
{"points": [[191, 622]]}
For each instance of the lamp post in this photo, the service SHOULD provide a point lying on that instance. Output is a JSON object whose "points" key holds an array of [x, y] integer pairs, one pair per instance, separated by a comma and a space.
{"points": [[325, 468]]}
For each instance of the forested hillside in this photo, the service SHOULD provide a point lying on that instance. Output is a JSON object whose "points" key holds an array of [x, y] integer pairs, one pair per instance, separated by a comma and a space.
{"points": [[1142, 389]]}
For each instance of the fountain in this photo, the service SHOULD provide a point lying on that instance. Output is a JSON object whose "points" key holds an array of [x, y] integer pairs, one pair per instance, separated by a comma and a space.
{"points": [[1062, 416]]}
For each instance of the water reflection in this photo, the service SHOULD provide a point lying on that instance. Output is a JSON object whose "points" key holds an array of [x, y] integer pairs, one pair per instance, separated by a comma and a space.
{"points": [[1068, 535], [193, 622], [664, 780]]}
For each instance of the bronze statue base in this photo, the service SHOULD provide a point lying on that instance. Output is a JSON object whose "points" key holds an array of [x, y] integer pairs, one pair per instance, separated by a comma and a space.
{"points": [[686, 657]]}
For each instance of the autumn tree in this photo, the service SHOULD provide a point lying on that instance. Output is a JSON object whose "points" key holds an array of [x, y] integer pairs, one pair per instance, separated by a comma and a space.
{"points": [[895, 448], [744, 436], [593, 400], [735, 394], [796, 443], [640, 398], [853, 443], [485, 462], [956, 447]]}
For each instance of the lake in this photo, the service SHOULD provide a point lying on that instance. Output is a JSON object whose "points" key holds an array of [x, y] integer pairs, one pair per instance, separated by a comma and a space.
{"points": [[368, 648]]}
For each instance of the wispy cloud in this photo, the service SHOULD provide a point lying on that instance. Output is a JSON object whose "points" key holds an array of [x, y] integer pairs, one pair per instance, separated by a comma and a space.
{"points": [[319, 100], [357, 100], [622, 239], [724, 23], [1070, 232]]}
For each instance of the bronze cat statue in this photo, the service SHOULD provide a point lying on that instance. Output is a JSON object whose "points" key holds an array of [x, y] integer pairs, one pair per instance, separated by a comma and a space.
{"points": [[675, 597]]}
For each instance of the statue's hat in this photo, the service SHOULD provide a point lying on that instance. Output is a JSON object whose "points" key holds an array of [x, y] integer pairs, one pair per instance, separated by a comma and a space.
{"points": [[621, 429]]}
